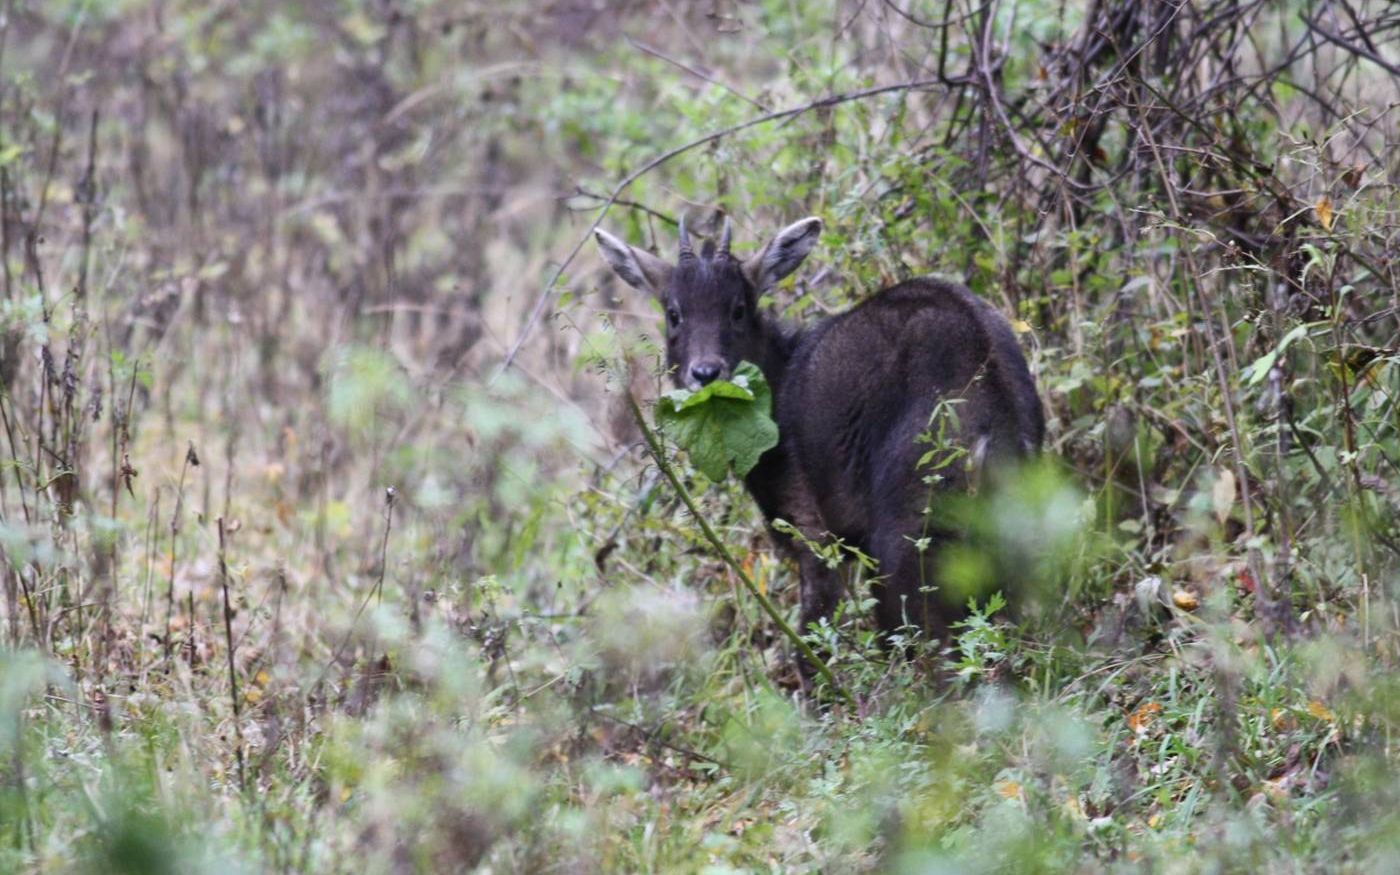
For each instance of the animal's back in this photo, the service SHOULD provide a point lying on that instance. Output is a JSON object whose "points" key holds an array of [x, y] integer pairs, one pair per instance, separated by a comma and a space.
{"points": [[863, 386]]}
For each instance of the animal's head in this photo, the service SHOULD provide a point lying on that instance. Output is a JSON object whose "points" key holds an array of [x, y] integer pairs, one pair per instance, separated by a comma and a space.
{"points": [[711, 298]]}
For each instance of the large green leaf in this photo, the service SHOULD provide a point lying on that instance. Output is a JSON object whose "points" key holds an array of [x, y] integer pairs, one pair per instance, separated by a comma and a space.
{"points": [[728, 422]]}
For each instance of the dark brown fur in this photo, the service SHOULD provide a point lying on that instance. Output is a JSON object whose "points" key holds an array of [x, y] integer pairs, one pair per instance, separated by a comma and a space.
{"points": [[851, 399], [852, 394]]}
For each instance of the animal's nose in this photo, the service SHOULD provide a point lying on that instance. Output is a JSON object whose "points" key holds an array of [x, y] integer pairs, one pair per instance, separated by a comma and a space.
{"points": [[704, 372]]}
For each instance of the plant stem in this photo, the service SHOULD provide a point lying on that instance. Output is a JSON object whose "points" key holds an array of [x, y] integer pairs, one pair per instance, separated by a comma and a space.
{"points": [[655, 449], [232, 671]]}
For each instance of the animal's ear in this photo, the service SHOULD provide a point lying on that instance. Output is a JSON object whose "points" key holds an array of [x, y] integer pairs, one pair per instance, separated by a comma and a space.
{"points": [[637, 267], [783, 253]]}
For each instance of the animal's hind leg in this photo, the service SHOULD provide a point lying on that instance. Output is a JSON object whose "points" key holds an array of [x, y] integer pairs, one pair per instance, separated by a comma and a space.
{"points": [[907, 591]]}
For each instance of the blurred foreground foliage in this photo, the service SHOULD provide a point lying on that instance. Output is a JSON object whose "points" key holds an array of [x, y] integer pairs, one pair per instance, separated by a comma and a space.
{"points": [[298, 577]]}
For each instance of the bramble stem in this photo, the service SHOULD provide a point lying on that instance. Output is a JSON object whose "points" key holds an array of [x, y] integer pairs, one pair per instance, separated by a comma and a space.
{"points": [[654, 448]]}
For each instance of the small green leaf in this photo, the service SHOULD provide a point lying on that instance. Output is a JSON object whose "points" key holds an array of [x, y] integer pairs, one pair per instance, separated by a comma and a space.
{"points": [[727, 422], [1260, 367]]}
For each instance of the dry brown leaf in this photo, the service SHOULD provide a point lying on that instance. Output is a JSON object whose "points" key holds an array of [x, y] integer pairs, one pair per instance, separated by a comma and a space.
{"points": [[1185, 600], [1142, 716], [1323, 210]]}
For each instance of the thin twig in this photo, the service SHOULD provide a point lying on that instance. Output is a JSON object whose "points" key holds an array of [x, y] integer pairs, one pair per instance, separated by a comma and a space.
{"points": [[191, 458], [654, 738], [232, 671], [1359, 51], [699, 74], [390, 496], [87, 197]]}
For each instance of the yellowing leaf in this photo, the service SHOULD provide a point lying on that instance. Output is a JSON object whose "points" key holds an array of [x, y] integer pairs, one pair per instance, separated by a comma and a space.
{"points": [[1142, 716], [1021, 326], [1323, 210], [1321, 711], [1185, 600], [362, 28], [1008, 789], [1282, 720], [252, 695], [60, 192], [753, 567], [1222, 495]]}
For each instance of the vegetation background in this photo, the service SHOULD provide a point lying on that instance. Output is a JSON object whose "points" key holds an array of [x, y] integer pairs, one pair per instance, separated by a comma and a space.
{"points": [[330, 547]]}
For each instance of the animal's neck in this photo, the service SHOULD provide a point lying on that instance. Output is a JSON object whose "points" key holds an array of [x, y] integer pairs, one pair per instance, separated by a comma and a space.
{"points": [[778, 342]]}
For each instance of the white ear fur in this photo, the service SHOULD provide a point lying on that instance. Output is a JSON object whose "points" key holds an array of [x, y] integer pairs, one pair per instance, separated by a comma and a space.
{"points": [[637, 267], [783, 253]]}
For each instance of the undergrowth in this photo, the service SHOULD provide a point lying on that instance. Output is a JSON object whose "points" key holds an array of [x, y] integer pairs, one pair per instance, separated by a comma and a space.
{"points": [[322, 554]]}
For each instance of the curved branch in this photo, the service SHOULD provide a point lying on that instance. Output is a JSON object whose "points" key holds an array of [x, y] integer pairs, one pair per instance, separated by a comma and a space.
{"points": [[547, 294], [1359, 51]]}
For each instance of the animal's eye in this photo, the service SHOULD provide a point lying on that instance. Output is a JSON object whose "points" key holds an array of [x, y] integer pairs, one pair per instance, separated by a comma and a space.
{"points": [[673, 317], [739, 312]]}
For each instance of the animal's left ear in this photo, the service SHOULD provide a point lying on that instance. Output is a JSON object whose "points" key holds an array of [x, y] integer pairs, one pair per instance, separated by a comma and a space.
{"points": [[783, 253]]}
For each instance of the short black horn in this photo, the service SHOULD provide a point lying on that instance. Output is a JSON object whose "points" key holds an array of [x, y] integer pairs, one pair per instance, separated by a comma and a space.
{"points": [[686, 251], [725, 235]]}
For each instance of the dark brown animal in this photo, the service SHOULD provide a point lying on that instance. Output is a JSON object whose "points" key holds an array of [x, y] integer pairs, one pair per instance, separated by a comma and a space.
{"points": [[852, 396]]}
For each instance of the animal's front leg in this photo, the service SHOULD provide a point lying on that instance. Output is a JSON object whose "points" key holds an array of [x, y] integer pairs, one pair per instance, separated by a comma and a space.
{"points": [[821, 591]]}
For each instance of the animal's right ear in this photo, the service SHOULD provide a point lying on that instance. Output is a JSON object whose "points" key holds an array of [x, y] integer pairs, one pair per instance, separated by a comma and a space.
{"points": [[637, 267]]}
